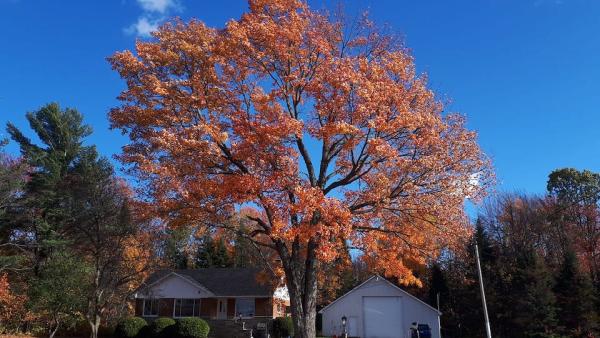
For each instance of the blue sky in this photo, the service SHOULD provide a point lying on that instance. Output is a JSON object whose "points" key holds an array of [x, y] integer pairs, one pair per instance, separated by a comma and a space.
{"points": [[524, 72]]}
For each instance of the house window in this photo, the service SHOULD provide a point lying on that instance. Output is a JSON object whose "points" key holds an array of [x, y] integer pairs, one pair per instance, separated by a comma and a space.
{"points": [[185, 307], [244, 307], [150, 307]]}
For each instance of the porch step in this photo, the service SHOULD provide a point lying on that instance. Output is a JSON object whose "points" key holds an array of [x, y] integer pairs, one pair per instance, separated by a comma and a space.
{"points": [[233, 329], [227, 329]]}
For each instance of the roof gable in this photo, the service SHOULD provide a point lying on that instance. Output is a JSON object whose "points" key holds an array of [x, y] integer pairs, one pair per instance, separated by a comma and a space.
{"points": [[389, 284], [237, 282], [173, 285]]}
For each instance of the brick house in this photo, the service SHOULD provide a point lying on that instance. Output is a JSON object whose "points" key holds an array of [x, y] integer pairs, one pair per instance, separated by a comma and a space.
{"points": [[213, 294]]}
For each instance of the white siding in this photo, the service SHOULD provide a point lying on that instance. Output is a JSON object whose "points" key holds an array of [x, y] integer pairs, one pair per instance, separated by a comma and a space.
{"points": [[174, 286], [351, 305], [380, 317]]}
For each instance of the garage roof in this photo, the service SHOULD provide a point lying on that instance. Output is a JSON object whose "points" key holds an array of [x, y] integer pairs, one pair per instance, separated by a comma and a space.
{"points": [[378, 277]]}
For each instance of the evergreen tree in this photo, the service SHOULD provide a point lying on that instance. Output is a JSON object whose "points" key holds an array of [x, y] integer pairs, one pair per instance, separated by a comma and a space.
{"points": [[221, 257], [174, 248], [204, 255], [462, 307], [213, 254], [40, 212], [575, 299], [531, 297], [438, 286], [243, 251], [488, 255]]}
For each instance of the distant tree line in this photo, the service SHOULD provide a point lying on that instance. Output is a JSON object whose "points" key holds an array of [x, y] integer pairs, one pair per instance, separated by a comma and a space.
{"points": [[540, 260], [182, 248]]}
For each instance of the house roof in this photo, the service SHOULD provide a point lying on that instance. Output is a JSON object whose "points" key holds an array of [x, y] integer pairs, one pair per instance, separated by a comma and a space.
{"points": [[220, 281], [378, 277]]}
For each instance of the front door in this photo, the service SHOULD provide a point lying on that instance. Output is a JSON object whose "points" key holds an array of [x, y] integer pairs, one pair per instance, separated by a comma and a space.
{"points": [[221, 308]]}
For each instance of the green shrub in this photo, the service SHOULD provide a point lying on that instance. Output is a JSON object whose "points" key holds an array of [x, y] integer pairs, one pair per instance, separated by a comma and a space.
{"points": [[130, 327], [191, 327], [162, 327], [283, 327]]}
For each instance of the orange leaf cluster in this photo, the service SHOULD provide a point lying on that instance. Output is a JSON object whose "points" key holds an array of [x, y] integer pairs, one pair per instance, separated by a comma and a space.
{"points": [[12, 305]]}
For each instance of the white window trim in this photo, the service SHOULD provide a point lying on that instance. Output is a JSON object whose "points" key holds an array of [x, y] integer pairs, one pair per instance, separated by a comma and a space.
{"points": [[144, 307], [194, 314]]}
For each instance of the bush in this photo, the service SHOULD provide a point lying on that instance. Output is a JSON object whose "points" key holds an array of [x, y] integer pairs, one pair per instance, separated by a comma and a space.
{"points": [[283, 327], [130, 327], [191, 327], [162, 327]]}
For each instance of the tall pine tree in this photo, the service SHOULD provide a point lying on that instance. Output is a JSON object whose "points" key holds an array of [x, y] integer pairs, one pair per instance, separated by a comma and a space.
{"points": [[213, 254], [40, 216], [174, 248], [438, 286], [531, 297], [575, 299]]}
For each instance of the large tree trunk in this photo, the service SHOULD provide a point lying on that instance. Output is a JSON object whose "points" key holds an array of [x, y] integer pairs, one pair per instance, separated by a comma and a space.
{"points": [[94, 326], [94, 311], [301, 277], [56, 326]]}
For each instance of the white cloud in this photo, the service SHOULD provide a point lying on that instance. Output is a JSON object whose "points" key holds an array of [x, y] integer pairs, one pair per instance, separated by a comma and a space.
{"points": [[154, 12], [143, 27], [159, 6]]}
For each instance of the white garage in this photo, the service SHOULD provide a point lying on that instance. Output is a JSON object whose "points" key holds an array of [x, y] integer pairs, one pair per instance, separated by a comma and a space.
{"points": [[378, 309]]}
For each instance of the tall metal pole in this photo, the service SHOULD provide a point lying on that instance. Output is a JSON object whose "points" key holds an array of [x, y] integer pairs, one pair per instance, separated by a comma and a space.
{"points": [[439, 315], [488, 330]]}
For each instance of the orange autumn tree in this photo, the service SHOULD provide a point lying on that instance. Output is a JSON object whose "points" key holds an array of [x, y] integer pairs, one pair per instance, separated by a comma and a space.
{"points": [[13, 309], [326, 129]]}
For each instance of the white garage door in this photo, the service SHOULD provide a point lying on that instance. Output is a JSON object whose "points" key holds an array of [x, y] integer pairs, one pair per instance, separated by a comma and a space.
{"points": [[382, 317]]}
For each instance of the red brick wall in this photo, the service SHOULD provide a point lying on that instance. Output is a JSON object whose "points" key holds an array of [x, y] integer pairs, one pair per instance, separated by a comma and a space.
{"points": [[263, 307], [208, 307], [165, 307], [139, 307]]}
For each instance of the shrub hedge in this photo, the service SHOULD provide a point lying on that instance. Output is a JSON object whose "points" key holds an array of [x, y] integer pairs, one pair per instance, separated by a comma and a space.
{"points": [[283, 327], [191, 327], [162, 327], [130, 327]]}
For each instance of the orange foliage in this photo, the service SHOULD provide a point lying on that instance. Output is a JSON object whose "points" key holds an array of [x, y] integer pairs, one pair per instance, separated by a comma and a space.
{"points": [[12, 305], [334, 140], [137, 258]]}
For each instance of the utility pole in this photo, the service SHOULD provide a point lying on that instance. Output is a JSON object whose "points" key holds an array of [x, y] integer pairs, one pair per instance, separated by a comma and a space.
{"points": [[488, 330], [439, 315]]}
